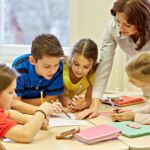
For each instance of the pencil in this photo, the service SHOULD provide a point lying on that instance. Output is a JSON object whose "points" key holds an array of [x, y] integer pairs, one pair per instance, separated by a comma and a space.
{"points": [[66, 114], [41, 99]]}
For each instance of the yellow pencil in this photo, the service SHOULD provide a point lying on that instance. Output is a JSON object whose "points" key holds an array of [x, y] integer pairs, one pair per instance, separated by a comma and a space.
{"points": [[42, 100]]}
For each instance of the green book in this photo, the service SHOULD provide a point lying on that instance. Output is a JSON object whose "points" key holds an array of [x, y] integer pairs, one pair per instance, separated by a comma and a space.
{"points": [[131, 129]]}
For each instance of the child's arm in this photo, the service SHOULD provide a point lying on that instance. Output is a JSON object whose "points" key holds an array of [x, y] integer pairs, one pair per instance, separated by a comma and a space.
{"points": [[25, 133], [23, 118], [18, 117], [23, 107]]}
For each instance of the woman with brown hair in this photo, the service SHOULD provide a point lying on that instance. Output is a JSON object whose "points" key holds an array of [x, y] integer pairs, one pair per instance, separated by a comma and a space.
{"points": [[130, 30]]}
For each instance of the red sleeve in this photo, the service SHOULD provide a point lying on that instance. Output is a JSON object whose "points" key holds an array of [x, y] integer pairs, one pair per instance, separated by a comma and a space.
{"points": [[5, 123]]}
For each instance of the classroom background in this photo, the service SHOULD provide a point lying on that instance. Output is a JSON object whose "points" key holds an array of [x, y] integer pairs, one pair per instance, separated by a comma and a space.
{"points": [[85, 18]]}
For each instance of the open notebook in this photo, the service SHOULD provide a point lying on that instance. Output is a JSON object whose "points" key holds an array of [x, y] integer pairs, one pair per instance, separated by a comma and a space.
{"points": [[135, 130], [97, 133], [62, 120]]}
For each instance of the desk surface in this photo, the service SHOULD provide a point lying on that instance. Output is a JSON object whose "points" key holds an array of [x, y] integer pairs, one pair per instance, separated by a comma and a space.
{"points": [[139, 143], [46, 139]]}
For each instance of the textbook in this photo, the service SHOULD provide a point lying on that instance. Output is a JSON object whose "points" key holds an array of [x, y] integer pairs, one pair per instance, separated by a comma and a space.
{"points": [[122, 100], [97, 133], [131, 129]]}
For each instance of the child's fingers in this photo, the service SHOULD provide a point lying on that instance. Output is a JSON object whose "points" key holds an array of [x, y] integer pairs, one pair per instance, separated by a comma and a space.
{"points": [[115, 110], [93, 115], [57, 109], [58, 104], [78, 98], [119, 117]]}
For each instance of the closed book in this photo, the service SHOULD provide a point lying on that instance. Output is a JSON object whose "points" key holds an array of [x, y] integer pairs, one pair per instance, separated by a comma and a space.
{"points": [[122, 100], [97, 133], [131, 129]]}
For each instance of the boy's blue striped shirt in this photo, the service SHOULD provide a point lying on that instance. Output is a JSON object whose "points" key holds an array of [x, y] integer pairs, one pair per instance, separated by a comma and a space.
{"points": [[29, 84]]}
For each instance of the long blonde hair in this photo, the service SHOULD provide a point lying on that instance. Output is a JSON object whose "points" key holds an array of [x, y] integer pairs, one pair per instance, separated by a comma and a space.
{"points": [[139, 67]]}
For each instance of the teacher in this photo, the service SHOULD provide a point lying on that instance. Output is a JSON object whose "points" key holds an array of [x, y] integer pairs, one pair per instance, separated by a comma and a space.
{"points": [[130, 30]]}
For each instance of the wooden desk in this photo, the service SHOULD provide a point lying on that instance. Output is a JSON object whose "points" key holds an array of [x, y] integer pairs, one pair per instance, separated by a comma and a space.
{"points": [[139, 143], [45, 140]]}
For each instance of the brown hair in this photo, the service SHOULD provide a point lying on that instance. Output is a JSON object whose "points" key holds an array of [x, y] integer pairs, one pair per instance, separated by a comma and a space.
{"points": [[88, 48], [139, 67], [46, 45], [7, 75], [137, 12]]}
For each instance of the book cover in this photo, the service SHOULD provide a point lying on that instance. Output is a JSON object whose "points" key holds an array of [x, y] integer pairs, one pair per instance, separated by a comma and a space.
{"points": [[122, 100], [131, 129], [97, 133]]}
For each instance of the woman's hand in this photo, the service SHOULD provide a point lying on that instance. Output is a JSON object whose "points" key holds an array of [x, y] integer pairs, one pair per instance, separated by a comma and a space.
{"points": [[87, 113]]}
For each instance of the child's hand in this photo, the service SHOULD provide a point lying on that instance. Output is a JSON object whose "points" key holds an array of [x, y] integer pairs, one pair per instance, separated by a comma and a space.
{"points": [[51, 99], [123, 116], [78, 103], [70, 109], [117, 110], [66, 101], [47, 108], [45, 125], [57, 107], [113, 117]]}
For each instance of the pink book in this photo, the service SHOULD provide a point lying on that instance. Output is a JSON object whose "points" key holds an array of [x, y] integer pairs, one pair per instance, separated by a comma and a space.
{"points": [[97, 133]]}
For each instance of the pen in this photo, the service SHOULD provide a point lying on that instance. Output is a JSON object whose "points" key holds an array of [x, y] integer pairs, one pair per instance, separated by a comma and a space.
{"points": [[110, 101], [66, 114], [41, 99]]}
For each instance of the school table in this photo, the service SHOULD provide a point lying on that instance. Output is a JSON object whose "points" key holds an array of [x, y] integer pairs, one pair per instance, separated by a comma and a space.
{"points": [[45, 140], [138, 143]]}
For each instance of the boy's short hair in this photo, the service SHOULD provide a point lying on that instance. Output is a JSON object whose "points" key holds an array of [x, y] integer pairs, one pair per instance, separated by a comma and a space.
{"points": [[46, 45]]}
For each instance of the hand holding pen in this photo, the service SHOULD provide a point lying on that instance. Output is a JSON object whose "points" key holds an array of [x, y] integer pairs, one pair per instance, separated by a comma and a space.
{"points": [[78, 101], [79, 89], [56, 106], [115, 112]]}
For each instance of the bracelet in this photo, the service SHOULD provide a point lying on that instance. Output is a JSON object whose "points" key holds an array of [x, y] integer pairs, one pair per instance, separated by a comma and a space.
{"points": [[39, 110]]}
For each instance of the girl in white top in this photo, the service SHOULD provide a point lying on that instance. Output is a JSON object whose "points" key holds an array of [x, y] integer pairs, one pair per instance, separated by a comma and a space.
{"points": [[130, 30], [138, 70]]}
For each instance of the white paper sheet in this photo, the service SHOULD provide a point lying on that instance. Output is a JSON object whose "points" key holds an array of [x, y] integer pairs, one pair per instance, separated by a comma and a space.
{"points": [[63, 120]]}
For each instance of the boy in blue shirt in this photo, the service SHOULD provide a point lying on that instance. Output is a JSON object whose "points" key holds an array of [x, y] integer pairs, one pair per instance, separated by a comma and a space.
{"points": [[40, 71]]}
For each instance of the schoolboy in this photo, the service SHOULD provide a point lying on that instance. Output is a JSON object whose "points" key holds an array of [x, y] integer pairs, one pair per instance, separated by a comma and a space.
{"points": [[40, 71]]}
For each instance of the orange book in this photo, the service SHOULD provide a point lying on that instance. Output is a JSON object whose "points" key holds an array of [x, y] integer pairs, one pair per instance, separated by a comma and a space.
{"points": [[122, 100]]}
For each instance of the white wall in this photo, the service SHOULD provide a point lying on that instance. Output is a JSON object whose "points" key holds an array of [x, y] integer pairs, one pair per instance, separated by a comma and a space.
{"points": [[88, 18]]}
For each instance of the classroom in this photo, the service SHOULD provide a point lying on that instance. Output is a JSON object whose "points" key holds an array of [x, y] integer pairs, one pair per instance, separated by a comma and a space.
{"points": [[81, 70]]}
